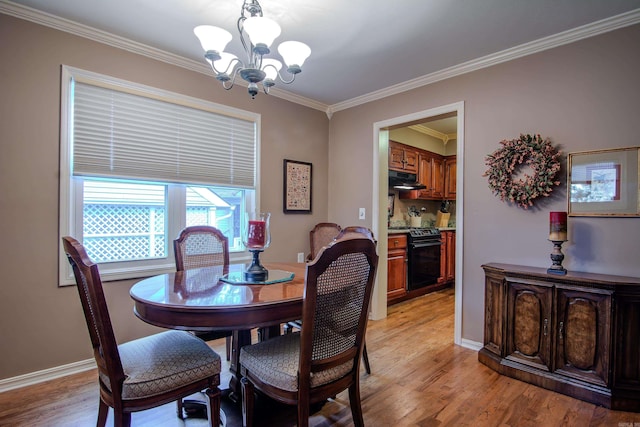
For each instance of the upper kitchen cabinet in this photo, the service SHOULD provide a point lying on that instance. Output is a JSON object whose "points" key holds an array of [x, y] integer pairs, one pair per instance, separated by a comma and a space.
{"points": [[438, 174], [450, 177], [402, 157], [431, 174]]}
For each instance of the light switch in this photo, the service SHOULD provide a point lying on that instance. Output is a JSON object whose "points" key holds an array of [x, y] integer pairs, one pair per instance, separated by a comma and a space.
{"points": [[361, 214]]}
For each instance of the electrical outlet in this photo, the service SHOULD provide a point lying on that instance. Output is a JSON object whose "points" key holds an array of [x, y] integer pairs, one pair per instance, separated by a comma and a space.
{"points": [[300, 256], [361, 214]]}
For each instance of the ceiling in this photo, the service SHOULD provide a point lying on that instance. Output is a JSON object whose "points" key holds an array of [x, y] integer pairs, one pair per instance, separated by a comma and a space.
{"points": [[358, 47]]}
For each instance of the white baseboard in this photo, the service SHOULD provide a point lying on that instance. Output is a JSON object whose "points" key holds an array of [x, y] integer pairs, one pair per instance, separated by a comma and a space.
{"points": [[46, 375], [473, 345]]}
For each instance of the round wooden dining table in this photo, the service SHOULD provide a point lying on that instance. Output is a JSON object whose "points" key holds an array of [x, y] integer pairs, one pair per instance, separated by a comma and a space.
{"points": [[203, 300]]}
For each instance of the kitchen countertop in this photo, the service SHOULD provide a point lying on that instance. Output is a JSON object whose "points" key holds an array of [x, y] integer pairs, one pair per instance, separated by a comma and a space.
{"points": [[406, 230]]}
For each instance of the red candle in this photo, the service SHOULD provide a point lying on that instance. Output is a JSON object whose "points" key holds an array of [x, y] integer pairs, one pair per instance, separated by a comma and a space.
{"points": [[256, 236], [558, 226]]}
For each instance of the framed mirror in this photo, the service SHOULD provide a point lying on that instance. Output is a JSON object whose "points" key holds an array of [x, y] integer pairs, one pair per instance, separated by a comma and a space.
{"points": [[604, 182]]}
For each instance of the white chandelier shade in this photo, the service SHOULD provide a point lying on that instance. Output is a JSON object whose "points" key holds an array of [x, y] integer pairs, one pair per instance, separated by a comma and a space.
{"points": [[271, 67], [294, 53], [212, 38], [257, 34], [261, 31]]}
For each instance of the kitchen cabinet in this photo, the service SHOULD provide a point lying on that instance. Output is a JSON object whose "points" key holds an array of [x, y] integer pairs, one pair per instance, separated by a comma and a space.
{"points": [[403, 158], [431, 174], [436, 172], [450, 171], [577, 334], [396, 266], [447, 256]]}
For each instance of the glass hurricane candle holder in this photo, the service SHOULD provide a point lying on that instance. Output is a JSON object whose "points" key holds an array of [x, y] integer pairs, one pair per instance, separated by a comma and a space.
{"points": [[256, 238]]}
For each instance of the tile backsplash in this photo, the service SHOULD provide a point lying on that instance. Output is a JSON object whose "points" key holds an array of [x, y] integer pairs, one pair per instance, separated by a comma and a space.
{"points": [[427, 208]]}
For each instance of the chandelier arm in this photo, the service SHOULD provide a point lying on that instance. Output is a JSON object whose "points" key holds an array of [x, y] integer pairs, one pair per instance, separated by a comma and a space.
{"points": [[231, 66], [233, 77], [293, 77]]}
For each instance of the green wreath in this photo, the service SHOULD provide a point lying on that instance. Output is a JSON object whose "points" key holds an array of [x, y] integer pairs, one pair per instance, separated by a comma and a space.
{"points": [[541, 157]]}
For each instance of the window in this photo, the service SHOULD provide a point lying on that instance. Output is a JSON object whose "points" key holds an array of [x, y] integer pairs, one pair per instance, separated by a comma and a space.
{"points": [[139, 164]]}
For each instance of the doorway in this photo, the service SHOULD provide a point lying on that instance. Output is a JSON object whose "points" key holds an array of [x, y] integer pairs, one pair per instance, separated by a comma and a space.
{"points": [[380, 185]]}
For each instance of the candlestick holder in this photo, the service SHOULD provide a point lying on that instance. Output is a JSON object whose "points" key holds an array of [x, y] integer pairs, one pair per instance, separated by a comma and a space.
{"points": [[256, 271], [256, 239], [556, 258]]}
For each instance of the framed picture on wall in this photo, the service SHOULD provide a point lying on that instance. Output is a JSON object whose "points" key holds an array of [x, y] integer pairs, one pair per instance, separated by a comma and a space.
{"points": [[604, 182], [297, 186]]}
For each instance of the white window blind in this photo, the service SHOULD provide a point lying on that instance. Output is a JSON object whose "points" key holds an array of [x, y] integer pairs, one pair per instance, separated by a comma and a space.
{"points": [[123, 135]]}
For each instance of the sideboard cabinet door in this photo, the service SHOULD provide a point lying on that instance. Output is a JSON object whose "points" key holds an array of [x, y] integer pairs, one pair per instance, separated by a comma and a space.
{"points": [[529, 319], [583, 334], [494, 313]]}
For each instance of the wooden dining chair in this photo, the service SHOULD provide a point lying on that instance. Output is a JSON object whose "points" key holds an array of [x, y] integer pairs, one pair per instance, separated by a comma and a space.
{"points": [[146, 372], [320, 236], [322, 359], [355, 231], [204, 246]]}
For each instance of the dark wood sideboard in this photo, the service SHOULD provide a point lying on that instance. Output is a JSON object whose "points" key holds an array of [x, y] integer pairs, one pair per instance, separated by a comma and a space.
{"points": [[577, 334]]}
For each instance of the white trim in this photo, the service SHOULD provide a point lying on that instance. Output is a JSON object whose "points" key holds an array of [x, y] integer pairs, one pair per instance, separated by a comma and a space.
{"points": [[473, 345], [457, 323], [570, 36], [37, 377], [75, 28], [380, 138], [70, 204], [550, 42]]}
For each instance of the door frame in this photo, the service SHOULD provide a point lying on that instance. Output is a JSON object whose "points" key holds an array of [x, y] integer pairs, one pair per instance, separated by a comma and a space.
{"points": [[379, 209]]}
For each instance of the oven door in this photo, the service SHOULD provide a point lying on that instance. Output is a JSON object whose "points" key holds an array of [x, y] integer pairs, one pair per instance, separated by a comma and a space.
{"points": [[424, 264]]}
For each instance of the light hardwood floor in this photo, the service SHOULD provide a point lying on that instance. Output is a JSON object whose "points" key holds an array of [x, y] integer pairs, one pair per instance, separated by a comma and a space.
{"points": [[420, 378]]}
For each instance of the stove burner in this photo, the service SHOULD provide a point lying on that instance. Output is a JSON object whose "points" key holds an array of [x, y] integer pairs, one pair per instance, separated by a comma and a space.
{"points": [[424, 234]]}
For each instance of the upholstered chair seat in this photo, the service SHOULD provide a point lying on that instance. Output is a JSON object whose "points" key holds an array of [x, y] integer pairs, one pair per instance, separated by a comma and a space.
{"points": [[165, 361], [276, 362]]}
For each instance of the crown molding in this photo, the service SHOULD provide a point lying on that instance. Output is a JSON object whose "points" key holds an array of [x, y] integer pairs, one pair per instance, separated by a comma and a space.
{"points": [[75, 28], [445, 137], [550, 42]]}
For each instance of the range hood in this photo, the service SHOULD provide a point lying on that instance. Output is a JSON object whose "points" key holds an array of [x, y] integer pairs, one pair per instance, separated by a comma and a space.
{"points": [[404, 181]]}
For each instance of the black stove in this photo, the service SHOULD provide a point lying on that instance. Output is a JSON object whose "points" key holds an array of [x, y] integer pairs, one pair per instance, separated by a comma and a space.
{"points": [[424, 257], [424, 234]]}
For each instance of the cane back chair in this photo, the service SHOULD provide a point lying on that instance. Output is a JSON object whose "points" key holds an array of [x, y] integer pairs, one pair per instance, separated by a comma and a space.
{"points": [[322, 359], [143, 373]]}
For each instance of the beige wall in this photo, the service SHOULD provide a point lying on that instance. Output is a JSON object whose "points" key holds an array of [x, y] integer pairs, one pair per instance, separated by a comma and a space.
{"points": [[583, 96], [41, 325]]}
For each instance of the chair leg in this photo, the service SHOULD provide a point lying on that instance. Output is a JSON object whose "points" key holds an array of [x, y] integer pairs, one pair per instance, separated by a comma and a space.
{"points": [[213, 406], [121, 419], [103, 411], [354, 401], [248, 397], [365, 359], [228, 348], [303, 412], [179, 409]]}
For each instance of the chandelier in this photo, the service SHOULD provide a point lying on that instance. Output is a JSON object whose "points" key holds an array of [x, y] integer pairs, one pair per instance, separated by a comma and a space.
{"points": [[257, 33]]}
